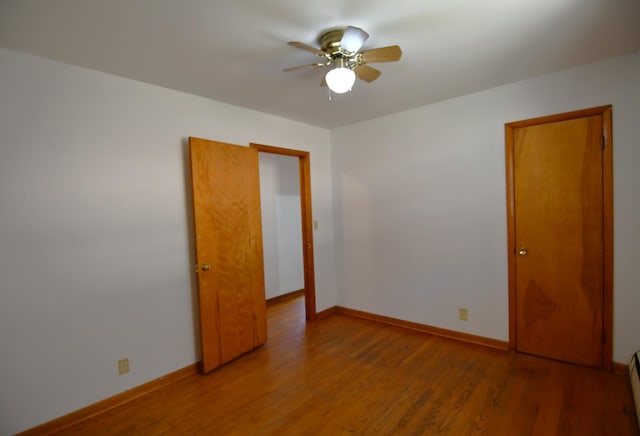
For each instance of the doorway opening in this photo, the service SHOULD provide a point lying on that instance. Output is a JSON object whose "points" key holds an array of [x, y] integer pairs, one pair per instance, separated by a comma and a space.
{"points": [[305, 227]]}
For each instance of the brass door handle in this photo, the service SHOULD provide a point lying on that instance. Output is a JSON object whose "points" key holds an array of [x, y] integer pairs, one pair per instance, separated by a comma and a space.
{"points": [[523, 251], [204, 267]]}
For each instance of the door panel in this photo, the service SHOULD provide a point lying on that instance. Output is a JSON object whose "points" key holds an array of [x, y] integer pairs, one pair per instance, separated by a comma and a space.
{"points": [[558, 239], [226, 198]]}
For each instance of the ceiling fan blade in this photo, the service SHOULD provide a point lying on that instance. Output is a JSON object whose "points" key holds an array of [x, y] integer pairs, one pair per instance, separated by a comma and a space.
{"points": [[307, 47], [391, 53], [353, 38], [366, 73], [305, 66]]}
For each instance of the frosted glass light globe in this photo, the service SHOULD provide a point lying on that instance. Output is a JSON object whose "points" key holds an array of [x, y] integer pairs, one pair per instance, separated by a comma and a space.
{"points": [[340, 80]]}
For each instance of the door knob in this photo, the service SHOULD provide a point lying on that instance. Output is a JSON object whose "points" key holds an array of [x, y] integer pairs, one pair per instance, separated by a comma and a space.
{"points": [[203, 267], [523, 251]]}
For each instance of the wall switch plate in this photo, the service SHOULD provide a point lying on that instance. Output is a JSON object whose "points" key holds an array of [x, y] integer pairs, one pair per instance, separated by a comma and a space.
{"points": [[315, 225], [463, 314], [123, 366]]}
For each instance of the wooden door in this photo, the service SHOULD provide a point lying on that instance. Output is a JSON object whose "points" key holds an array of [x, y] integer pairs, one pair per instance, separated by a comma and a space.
{"points": [[558, 236], [226, 202]]}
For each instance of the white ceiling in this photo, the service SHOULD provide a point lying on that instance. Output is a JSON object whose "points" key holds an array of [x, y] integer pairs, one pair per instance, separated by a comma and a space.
{"points": [[234, 50]]}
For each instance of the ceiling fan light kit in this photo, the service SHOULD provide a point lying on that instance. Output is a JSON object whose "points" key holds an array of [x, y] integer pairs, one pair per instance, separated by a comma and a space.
{"points": [[340, 48], [341, 78], [353, 38]]}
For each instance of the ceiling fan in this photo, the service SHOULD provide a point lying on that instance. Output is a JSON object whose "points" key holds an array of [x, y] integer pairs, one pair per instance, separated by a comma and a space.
{"points": [[340, 50]]}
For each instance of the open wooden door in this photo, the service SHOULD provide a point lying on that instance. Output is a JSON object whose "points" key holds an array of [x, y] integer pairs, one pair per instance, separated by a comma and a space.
{"points": [[226, 201]]}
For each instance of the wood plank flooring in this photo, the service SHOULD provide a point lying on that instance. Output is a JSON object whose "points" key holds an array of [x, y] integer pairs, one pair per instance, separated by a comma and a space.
{"points": [[344, 375]]}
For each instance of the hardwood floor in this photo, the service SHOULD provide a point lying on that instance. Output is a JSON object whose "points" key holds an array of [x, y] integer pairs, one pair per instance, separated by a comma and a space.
{"points": [[344, 375]]}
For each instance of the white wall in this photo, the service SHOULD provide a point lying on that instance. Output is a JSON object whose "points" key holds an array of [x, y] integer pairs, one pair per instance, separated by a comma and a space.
{"points": [[420, 199], [281, 224], [95, 230], [95, 246]]}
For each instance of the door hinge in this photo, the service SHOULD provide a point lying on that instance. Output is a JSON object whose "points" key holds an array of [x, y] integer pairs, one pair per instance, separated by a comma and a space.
{"points": [[603, 142]]}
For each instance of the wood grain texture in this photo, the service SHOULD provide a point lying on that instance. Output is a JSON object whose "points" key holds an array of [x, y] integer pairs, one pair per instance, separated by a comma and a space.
{"points": [[284, 297], [568, 174], [79, 417], [620, 368], [226, 198], [558, 208], [366, 73], [390, 53], [607, 216], [347, 375], [511, 234], [327, 312], [424, 328]]}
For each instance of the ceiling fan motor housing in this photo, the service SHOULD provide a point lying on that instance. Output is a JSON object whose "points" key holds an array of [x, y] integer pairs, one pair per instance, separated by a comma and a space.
{"points": [[330, 43]]}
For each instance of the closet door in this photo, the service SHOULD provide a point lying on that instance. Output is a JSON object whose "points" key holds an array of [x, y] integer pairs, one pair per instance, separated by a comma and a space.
{"points": [[559, 239]]}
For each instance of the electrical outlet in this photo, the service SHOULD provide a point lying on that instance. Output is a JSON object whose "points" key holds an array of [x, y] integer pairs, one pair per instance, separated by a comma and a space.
{"points": [[463, 314], [123, 366]]}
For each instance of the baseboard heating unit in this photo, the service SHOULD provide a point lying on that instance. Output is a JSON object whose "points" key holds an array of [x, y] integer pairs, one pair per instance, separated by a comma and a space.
{"points": [[634, 374]]}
